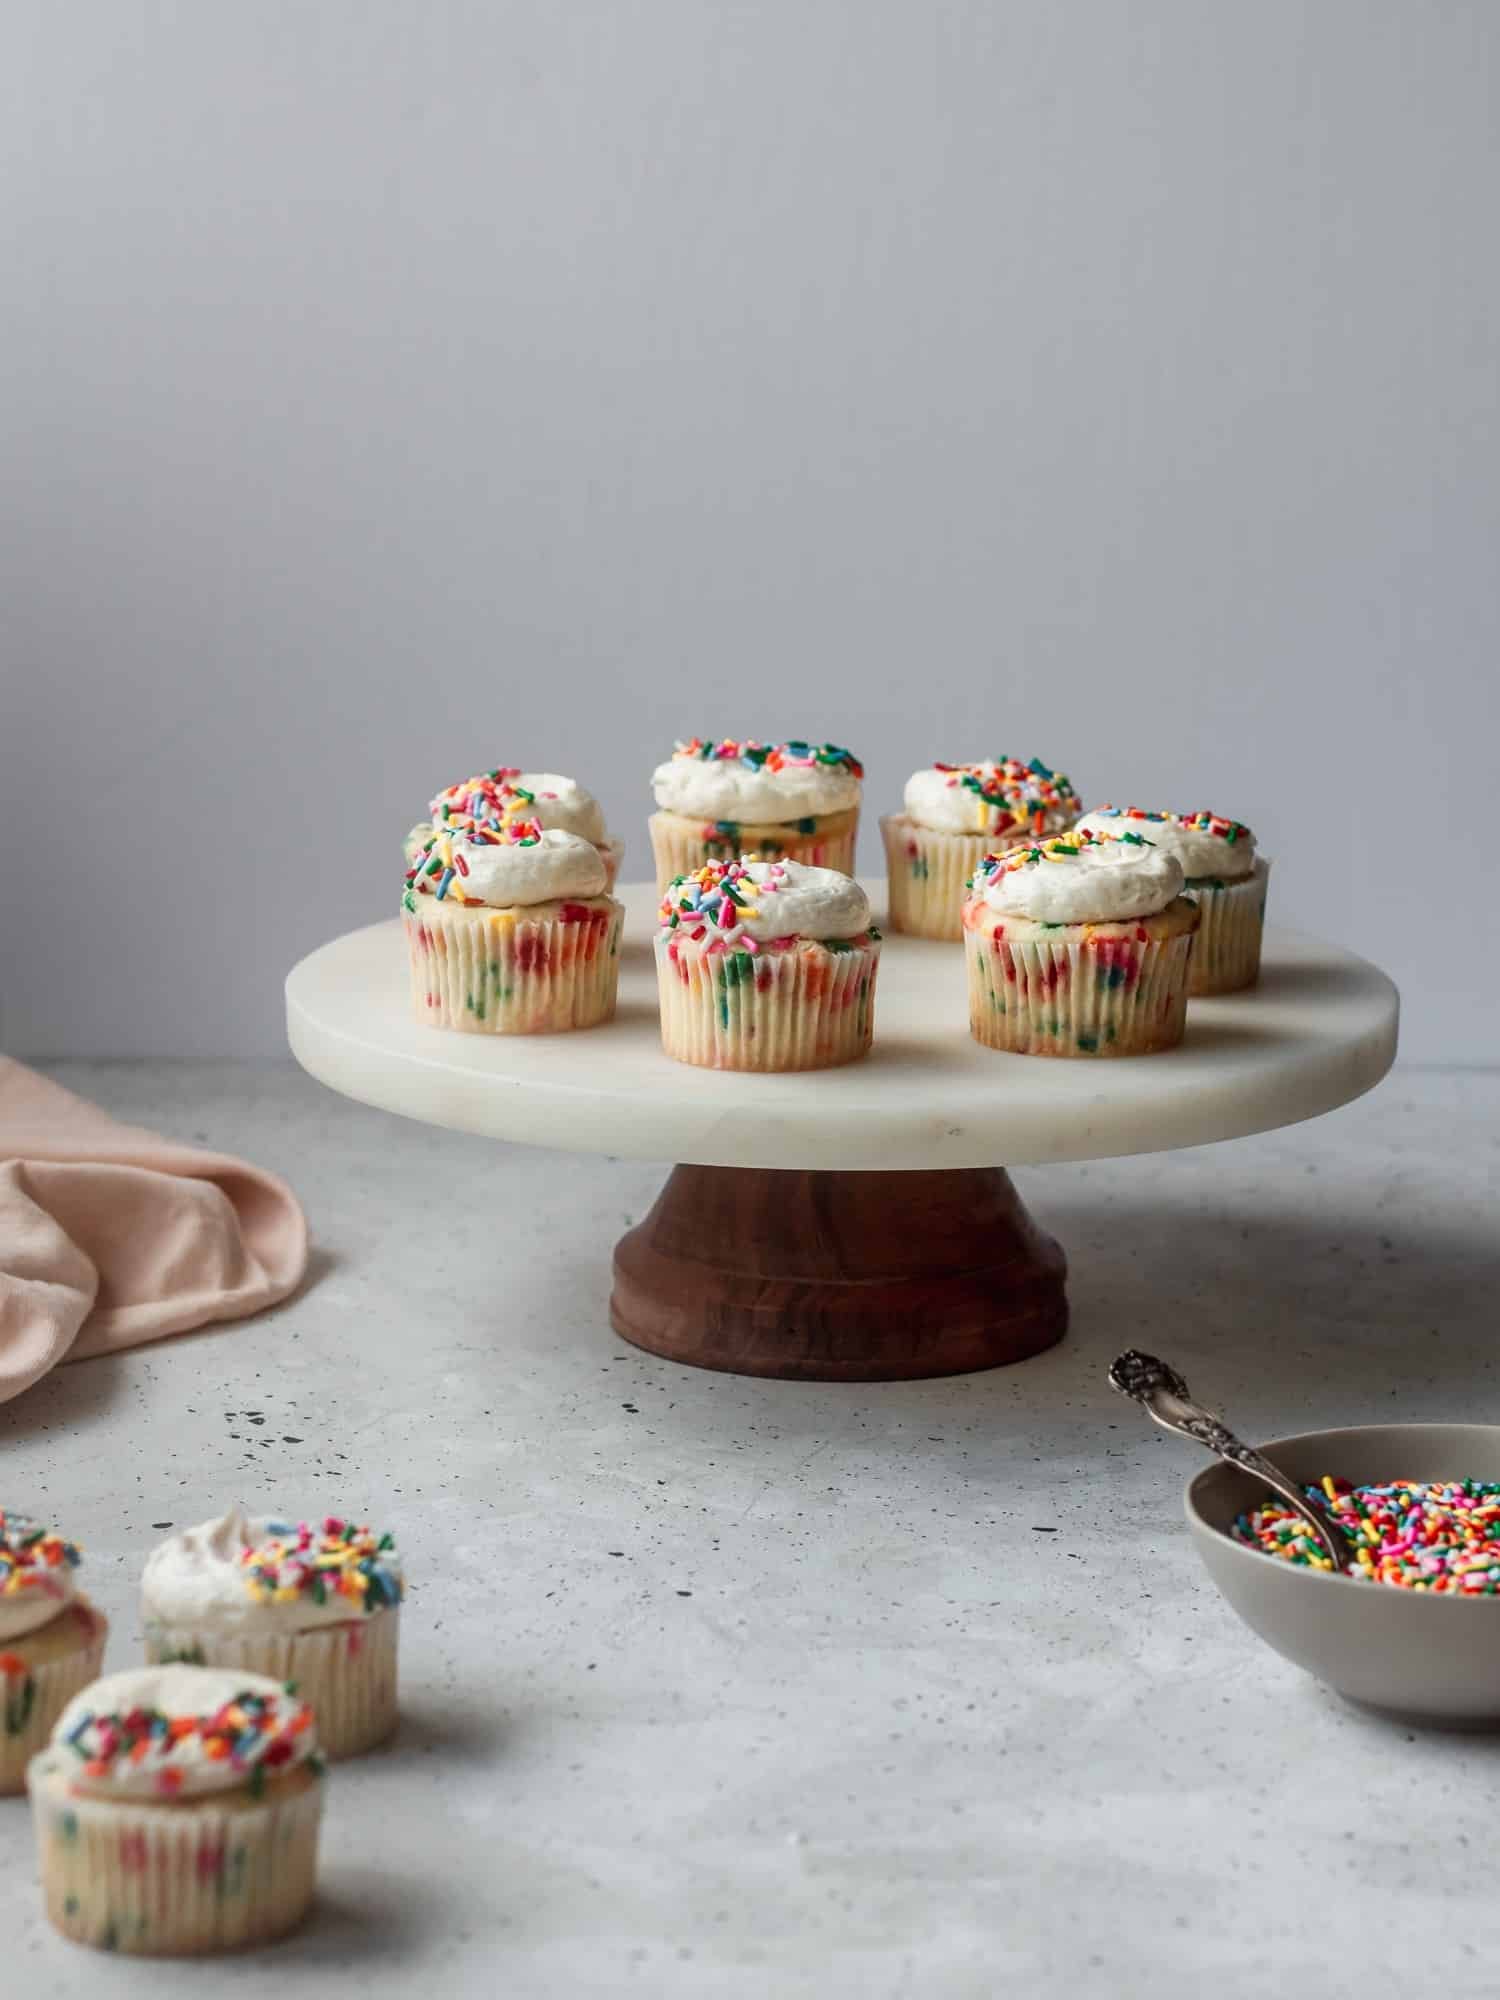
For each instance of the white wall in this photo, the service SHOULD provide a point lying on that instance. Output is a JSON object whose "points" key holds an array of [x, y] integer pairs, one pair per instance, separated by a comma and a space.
{"points": [[395, 389]]}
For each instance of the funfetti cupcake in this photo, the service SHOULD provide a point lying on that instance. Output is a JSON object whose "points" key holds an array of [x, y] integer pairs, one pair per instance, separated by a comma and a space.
{"points": [[510, 930], [500, 797], [177, 1810], [318, 1606], [727, 801], [1225, 877], [51, 1639], [955, 814], [1079, 946], [766, 965]]}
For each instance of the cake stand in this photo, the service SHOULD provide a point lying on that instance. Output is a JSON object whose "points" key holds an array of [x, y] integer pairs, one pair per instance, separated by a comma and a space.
{"points": [[853, 1224]]}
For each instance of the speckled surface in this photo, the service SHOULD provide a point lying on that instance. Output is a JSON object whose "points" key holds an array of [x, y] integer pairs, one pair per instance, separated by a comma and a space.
{"points": [[716, 1686]]}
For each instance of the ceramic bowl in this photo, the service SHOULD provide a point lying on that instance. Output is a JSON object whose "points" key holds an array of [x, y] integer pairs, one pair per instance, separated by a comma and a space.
{"points": [[1420, 1657]]}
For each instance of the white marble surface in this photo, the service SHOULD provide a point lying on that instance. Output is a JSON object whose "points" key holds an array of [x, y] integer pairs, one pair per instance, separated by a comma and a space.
{"points": [[1319, 1028], [717, 1686]]}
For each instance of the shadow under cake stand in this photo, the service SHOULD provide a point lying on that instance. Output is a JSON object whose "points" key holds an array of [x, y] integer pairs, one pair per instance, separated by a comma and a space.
{"points": [[848, 1224]]}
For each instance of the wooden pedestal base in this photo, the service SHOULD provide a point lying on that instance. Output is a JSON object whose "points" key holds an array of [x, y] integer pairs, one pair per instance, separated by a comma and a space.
{"points": [[839, 1277]]}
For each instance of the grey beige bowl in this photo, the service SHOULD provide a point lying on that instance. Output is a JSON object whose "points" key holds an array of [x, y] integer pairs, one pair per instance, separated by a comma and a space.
{"points": [[1424, 1658]]}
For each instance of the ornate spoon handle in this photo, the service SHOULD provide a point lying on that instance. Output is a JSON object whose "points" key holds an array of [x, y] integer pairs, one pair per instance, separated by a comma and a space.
{"points": [[1164, 1396]]}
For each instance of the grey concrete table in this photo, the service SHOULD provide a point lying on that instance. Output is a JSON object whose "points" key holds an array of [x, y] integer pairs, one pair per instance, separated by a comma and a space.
{"points": [[723, 1686]]}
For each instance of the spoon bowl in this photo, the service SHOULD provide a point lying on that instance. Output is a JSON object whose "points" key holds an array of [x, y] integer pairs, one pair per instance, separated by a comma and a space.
{"points": [[1424, 1658]]}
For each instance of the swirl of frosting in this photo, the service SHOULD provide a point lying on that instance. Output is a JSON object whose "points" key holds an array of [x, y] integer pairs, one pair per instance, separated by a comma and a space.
{"points": [[180, 1732], [36, 1575], [1203, 842], [764, 784], [503, 866], [247, 1572], [1080, 878], [750, 903], [495, 798], [1000, 795]]}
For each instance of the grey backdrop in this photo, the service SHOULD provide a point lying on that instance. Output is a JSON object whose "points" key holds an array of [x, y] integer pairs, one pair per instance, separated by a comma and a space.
{"points": [[396, 389]]}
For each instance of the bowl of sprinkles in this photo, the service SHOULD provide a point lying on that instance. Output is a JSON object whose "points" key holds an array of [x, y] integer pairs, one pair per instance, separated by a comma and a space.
{"points": [[1419, 1506]]}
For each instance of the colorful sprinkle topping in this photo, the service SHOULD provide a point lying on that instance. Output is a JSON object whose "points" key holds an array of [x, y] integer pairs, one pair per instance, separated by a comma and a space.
{"points": [[438, 868], [769, 756], [1066, 847], [1021, 794], [336, 1560], [714, 902], [1199, 822], [253, 1733], [1442, 1537], [31, 1556], [493, 799]]}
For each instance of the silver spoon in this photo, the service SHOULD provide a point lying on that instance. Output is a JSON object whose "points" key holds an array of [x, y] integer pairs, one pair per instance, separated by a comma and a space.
{"points": [[1163, 1395]]}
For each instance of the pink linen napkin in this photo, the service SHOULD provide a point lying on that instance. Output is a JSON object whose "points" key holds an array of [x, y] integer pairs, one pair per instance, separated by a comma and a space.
{"points": [[111, 1235]]}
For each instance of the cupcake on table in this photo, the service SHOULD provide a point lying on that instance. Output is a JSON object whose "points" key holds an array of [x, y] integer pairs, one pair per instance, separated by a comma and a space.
{"points": [[177, 1810], [51, 1639], [727, 801], [498, 798], [1079, 946], [954, 815], [1225, 877], [766, 965], [318, 1606], [510, 930]]}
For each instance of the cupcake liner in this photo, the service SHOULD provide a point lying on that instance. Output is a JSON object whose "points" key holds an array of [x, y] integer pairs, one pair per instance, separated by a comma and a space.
{"points": [[800, 1005], [533, 970], [927, 874], [1226, 956], [346, 1671], [177, 1878], [1117, 989], [682, 846], [39, 1675]]}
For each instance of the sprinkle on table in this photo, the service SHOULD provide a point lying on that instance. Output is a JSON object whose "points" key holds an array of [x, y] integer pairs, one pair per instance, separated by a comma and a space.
{"points": [[337, 1560], [1442, 1537]]}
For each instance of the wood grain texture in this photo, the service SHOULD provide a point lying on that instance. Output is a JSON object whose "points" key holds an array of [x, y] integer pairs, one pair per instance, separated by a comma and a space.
{"points": [[839, 1277]]}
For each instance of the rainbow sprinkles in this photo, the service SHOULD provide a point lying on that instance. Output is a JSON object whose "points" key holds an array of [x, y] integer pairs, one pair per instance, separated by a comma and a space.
{"points": [[31, 1556], [336, 1560]]}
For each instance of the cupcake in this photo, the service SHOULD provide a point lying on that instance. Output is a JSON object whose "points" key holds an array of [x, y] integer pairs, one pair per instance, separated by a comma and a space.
{"points": [[51, 1640], [496, 798], [320, 1607], [774, 801], [176, 1812], [1079, 946], [510, 930], [954, 815], [766, 965], [1226, 878]]}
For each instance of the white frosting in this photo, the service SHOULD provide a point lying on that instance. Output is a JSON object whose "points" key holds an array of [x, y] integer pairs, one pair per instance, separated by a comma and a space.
{"points": [[49, 1589], [27, 1610], [721, 788], [196, 1582], [181, 1693], [1108, 882], [940, 801], [507, 873], [557, 802], [1199, 851], [790, 899]]}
